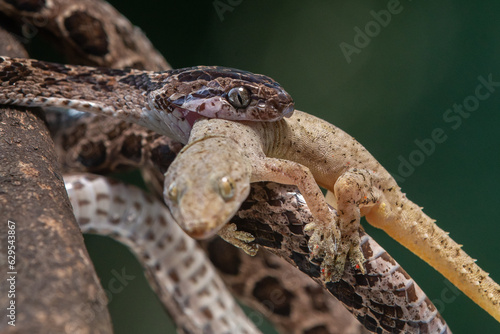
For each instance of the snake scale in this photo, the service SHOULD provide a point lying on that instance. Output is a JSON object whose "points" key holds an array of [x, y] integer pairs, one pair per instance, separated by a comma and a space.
{"points": [[144, 224], [157, 138], [167, 102], [147, 228]]}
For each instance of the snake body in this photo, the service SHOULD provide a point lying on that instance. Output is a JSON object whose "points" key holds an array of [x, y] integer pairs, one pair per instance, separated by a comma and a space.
{"points": [[385, 300], [166, 102], [90, 32], [185, 277]]}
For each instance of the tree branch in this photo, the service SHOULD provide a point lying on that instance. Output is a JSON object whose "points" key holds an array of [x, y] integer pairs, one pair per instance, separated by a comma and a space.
{"points": [[53, 287]]}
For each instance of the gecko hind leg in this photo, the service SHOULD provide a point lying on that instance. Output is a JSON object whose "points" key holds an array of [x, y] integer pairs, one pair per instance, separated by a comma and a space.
{"points": [[353, 190]]}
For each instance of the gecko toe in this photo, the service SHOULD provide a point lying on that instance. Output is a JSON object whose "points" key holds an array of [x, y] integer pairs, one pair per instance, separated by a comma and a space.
{"points": [[240, 239], [322, 244]]}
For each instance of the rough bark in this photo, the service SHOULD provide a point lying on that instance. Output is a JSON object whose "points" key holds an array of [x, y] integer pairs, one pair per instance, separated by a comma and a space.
{"points": [[52, 280]]}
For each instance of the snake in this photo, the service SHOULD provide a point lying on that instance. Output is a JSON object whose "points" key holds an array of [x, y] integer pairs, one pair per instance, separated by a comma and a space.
{"points": [[185, 280], [192, 289], [275, 214], [167, 102], [381, 299], [374, 323]]}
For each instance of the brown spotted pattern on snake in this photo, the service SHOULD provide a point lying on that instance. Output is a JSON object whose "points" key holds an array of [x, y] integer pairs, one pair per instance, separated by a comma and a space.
{"points": [[385, 299], [143, 224], [62, 18], [183, 272], [167, 102], [277, 224], [181, 268], [89, 32], [80, 14]]}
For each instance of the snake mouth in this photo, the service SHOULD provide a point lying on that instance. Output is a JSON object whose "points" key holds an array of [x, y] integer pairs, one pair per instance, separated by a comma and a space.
{"points": [[191, 117], [186, 115], [288, 111]]}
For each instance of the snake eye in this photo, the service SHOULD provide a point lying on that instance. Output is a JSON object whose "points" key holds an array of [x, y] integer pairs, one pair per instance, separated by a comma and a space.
{"points": [[173, 192], [226, 188], [239, 97]]}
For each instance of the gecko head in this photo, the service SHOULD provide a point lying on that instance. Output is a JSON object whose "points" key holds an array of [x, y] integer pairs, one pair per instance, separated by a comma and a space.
{"points": [[205, 186], [219, 92]]}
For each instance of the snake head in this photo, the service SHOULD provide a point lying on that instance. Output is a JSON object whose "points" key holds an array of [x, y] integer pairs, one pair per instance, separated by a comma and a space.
{"points": [[202, 193], [218, 92]]}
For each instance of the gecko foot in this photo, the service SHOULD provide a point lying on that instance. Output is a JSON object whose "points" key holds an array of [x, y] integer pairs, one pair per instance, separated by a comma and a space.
{"points": [[328, 242], [239, 239], [323, 241], [349, 248]]}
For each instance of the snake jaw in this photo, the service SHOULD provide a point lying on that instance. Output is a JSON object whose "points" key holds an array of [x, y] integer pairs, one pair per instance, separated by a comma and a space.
{"points": [[192, 117], [207, 91], [217, 106], [288, 111]]}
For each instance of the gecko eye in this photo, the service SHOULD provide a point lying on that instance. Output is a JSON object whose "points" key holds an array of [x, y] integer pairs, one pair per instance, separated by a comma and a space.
{"points": [[239, 97], [226, 188], [173, 192]]}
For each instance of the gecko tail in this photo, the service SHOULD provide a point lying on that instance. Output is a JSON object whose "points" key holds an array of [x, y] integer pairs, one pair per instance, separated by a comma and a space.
{"points": [[418, 232]]}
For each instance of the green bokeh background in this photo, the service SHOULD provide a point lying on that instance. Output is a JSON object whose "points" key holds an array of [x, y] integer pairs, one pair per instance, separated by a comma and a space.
{"points": [[393, 92]]}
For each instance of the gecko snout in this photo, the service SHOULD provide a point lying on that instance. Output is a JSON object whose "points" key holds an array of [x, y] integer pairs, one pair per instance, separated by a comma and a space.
{"points": [[202, 229]]}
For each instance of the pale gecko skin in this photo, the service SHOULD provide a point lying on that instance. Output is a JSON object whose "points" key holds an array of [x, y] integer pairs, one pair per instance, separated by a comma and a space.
{"points": [[210, 179]]}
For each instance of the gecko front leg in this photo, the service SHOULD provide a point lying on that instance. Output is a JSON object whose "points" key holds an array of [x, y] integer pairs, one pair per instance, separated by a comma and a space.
{"points": [[325, 230], [240, 239]]}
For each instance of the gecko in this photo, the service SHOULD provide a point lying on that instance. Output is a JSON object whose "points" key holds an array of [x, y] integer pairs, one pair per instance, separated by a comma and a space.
{"points": [[299, 153], [210, 178]]}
